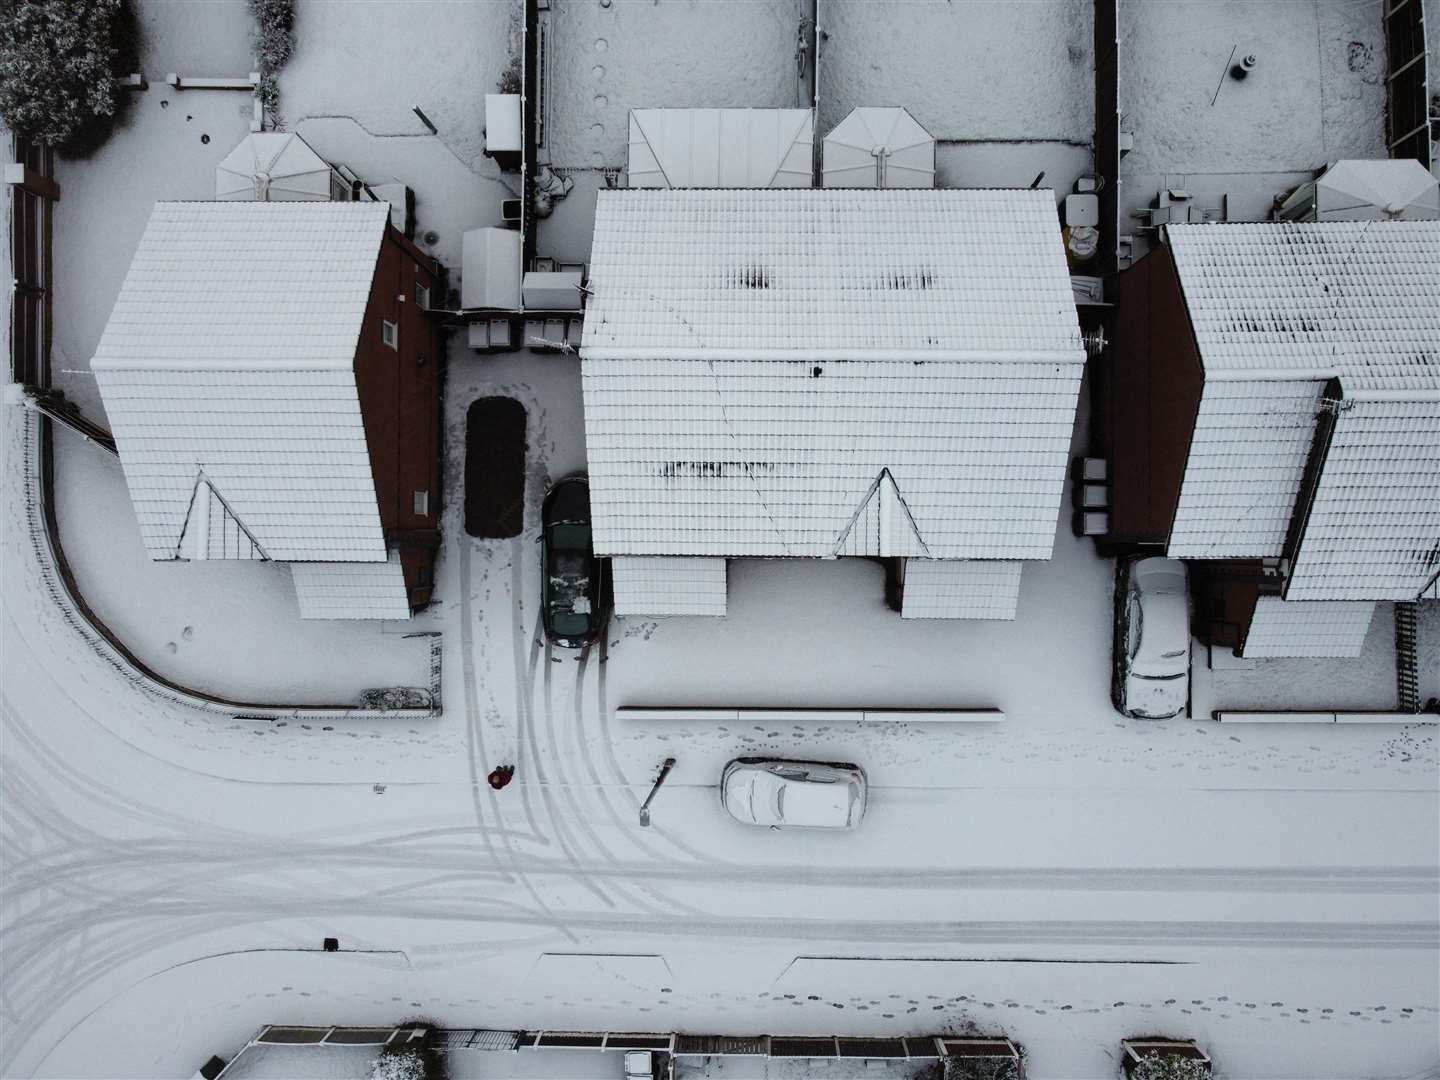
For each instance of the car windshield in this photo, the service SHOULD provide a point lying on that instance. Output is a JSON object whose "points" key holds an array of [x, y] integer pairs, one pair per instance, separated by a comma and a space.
{"points": [[568, 624], [570, 537]]}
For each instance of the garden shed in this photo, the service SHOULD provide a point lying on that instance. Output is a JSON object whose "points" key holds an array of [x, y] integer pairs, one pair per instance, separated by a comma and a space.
{"points": [[278, 166], [879, 148], [721, 148]]}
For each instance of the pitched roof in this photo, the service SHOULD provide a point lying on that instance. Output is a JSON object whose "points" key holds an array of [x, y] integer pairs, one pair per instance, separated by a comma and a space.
{"points": [[1355, 299], [1242, 476], [772, 458], [660, 586], [1310, 628], [1373, 530], [351, 590], [1278, 310], [230, 351], [826, 373], [959, 589], [831, 273]]}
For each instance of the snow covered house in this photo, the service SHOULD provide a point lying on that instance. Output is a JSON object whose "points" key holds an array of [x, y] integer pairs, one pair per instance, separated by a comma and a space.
{"points": [[1270, 408], [271, 376], [890, 374]]}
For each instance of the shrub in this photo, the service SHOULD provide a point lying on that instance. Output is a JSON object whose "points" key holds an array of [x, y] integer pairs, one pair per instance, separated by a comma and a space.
{"points": [[274, 44], [58, 63], [399, 1063], [1169, 1067], [509, 81]]}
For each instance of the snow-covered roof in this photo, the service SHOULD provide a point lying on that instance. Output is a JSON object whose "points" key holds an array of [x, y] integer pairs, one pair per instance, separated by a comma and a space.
{"points": [[879, 147], [830, 274], [1355, 299], [1242, 477], [351, 590], [1308, 628], [960, 589], [1373, 528], [720, 148], [230, 351], [797, 458], [1278, 310], [775, 372], [275, 166], [661, 586]]}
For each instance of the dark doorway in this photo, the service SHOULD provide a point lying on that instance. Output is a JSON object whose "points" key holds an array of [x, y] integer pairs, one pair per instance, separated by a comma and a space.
{"points": [[495, 468]]}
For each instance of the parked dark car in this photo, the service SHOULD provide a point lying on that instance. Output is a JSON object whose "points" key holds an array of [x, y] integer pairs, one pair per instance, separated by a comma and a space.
{"points": [[572, 588]]}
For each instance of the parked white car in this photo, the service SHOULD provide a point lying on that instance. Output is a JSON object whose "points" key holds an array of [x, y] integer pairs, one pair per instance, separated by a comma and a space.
{"points": [[1152, 639], [793, 794]]}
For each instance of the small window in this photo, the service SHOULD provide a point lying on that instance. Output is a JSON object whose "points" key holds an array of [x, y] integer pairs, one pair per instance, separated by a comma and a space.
{"points": [[390, 333], [422, 503], [422, 296]]}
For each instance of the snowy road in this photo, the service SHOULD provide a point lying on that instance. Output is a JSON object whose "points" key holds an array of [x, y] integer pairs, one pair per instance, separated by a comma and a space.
{"points": [[1067, 896]]}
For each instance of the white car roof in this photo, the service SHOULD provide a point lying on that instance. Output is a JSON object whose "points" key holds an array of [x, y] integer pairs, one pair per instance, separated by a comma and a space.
{"points": [[806, 803]]}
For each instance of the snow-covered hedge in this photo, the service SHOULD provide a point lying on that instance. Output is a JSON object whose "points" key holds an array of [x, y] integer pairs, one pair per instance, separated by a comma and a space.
{"points": [[274, 44], [58, 62], [978, 1068], [1169, 1067]]}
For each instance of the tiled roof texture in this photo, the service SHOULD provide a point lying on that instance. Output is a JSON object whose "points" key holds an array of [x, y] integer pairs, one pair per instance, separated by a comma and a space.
{"points": [[351, 590], [231, 350], [1373, 531], [949, 589], [660, 586], [1357, 299], [1242, 477], [769, 458], [755, 361], [1308, 628], [828, 270]]}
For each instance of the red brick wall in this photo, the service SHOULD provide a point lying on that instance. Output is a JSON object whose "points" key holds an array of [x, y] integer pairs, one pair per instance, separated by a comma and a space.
{"points": [[400, 398], [1151, 379]]}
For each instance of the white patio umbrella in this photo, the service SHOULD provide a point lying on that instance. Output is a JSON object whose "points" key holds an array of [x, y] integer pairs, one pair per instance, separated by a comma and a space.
{"points": [[879, 147], [1398, 189], [273, 166]]}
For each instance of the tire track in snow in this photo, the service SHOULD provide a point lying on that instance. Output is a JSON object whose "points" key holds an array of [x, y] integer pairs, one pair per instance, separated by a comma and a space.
{"points": [[525, 714], [474, 736], [577, 728], [607, 741]]}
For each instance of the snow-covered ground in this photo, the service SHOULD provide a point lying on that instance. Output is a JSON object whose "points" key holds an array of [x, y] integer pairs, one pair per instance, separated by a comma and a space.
{"points": [[1066, 877], [1366, 683], [1317, 94], [606, 59], [968, 70]]}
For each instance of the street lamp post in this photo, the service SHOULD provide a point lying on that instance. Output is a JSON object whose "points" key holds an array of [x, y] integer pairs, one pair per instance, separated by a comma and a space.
{"points": [[645, 806]]}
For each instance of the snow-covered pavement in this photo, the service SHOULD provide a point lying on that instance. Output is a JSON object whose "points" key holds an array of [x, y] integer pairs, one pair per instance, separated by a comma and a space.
{"points": [[1066, 877]]}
